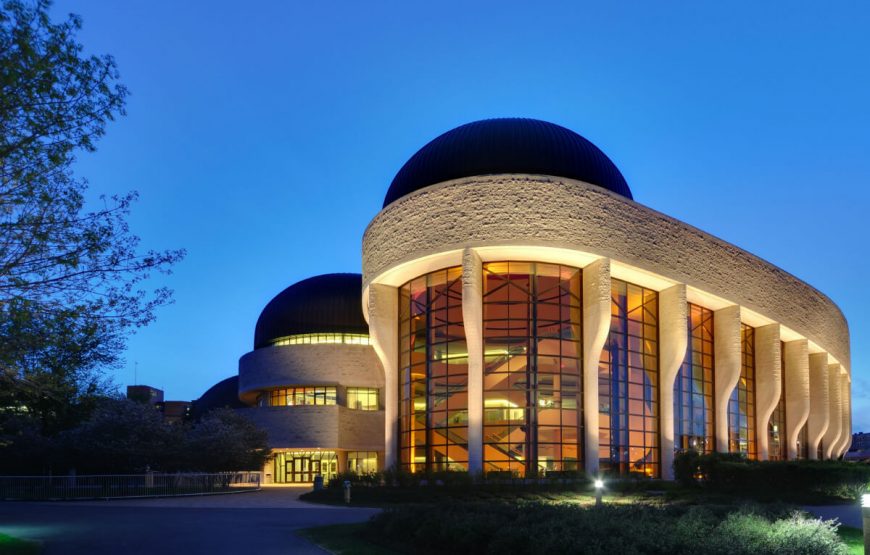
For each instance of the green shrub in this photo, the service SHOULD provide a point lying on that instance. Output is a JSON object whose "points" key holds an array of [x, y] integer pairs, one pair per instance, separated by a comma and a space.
{"points": [[541, 528], [800, 480]]}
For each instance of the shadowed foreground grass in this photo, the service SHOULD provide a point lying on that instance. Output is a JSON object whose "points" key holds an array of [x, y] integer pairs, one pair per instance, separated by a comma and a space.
{"points": [[853, 538], [16, 546], [343, 539]]}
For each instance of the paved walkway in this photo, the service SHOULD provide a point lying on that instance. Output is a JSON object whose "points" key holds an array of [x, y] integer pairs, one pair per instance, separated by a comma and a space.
{"points": [[260, 522]]}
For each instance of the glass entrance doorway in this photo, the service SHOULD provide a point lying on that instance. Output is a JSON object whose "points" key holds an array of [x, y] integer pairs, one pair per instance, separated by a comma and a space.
{"points": [[295, 467], [301, 469]]}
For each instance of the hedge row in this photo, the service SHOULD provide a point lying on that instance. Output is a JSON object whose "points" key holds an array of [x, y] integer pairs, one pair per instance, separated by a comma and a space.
{"points": [[773, 479], [625, 529]]}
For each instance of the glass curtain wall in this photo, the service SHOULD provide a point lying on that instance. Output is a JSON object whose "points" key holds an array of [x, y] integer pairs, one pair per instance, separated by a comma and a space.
{"points": [[693, 388], [776, 424], [803, 444], [741, 405], [532, 381], [433, 381], [628, 382]]}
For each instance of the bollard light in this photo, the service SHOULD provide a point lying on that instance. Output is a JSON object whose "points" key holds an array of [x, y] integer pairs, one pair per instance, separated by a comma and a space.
{"points": [[599, 485]]}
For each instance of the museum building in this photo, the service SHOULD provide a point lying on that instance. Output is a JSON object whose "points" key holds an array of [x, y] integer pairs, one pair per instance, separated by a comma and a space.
{"points": [[519, 313], [531, 317]]}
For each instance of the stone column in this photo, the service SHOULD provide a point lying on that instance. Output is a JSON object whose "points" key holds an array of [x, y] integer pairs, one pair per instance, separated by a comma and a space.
{"points": [[832, 434], [727, 364], [845, 416], [472, 314], [768, 382], [673, 341], [596, 325], [817, 423], [797, 391], [383, 317]]}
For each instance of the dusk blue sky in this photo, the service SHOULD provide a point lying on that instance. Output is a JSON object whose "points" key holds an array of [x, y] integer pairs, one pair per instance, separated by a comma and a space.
{"points": [[263, 136]]}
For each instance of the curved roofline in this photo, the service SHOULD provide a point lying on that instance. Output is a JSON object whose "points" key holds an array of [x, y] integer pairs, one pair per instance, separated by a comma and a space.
{"points": [[325, 303], [498, 146]]}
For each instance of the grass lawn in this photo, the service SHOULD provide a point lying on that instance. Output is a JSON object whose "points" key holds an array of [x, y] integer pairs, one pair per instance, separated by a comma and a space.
{"points": [[16, 546], [853, 538], [343, 539], [392, 496]]}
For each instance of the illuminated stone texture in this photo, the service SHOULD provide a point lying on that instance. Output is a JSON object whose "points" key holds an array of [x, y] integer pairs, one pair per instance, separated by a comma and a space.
{"points": [[819, 415], [797, 392], [835, 424], [556, 212], [727, 362]]}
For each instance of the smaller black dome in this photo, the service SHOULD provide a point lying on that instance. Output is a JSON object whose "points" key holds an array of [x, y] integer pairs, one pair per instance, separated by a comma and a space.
{"points": [[224, 394], [320, 304], [507, 145]]}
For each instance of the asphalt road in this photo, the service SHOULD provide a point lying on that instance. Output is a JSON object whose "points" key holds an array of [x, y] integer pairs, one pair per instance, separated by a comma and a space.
{"points": [[258, 522]]}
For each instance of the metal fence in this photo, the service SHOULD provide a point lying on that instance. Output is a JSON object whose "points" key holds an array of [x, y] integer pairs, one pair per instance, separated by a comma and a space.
{"points": [[118, 486]]}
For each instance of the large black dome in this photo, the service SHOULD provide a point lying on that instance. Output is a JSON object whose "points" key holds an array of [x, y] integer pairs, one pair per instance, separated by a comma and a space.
{"points": [[507, 145], [319, 304]]}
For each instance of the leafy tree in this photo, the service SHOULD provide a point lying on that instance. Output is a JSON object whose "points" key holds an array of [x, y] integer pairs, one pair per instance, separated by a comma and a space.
{"points": [[223, 440], [70, 278], [120, 436]]}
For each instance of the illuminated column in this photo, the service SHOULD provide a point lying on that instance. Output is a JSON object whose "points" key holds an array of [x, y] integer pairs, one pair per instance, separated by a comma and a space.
{"points": [[768, 382], [673, 341], [383, 311], [845, 416], [727, 363], [832, 435], [817, 424], [848, 415], [596, 325], [797, 392], [472, 314]]}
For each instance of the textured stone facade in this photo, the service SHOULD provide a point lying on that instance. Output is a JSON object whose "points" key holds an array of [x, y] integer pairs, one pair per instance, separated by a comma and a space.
{"points": [[547, 211], [289, 365], [333, 427], [325, 427]]}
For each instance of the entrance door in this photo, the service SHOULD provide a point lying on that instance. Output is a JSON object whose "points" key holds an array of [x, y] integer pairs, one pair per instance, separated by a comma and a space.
{"points": [[302, 467]]}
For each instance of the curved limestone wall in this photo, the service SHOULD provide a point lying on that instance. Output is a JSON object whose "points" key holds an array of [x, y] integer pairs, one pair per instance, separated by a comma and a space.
{"points": [[524, 210]]}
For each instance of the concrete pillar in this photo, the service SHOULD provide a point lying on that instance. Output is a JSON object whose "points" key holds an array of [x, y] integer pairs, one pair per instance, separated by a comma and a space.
{"points": [[832, 434], [768, 382], [817, 423], [596, 325], [673, 342], [845, 416], [849, 415], [472, 314], [797, 392], [383, 317], [727, 363]]}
